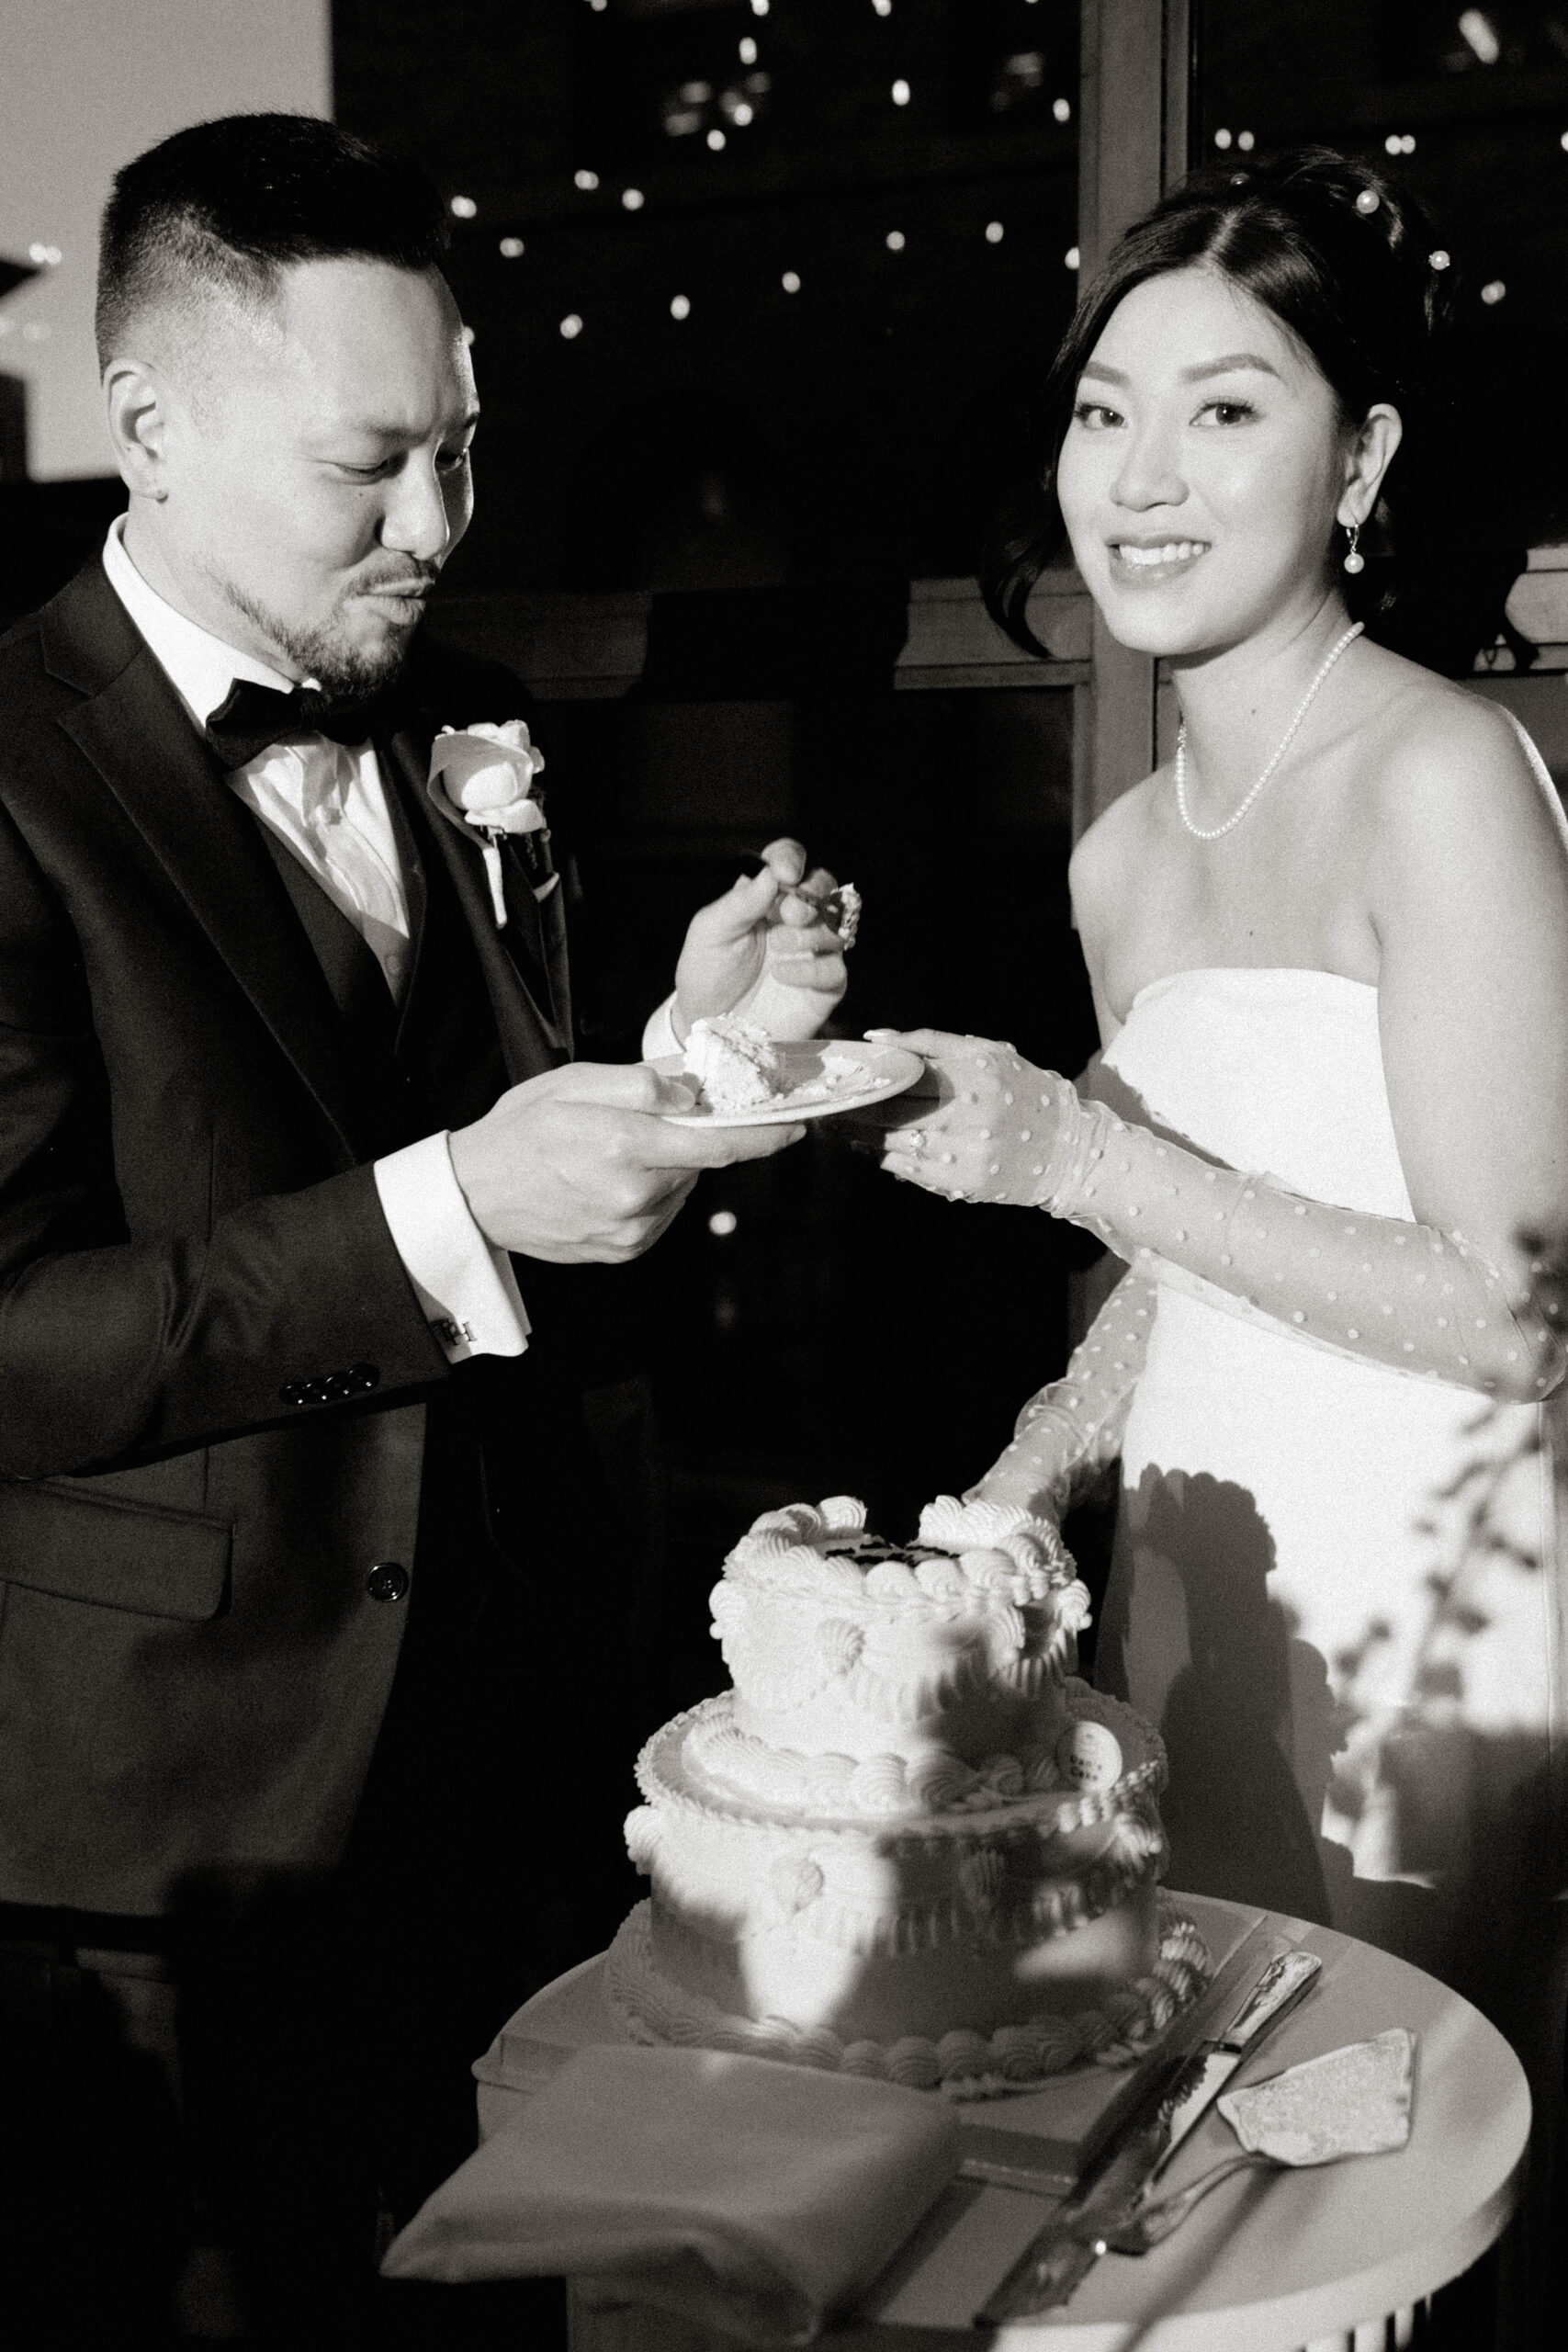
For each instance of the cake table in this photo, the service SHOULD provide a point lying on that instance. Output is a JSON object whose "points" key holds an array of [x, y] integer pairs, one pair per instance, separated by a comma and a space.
{"points": [[1269, 2262]]}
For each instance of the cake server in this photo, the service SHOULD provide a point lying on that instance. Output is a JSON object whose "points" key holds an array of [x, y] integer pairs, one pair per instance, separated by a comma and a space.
{"points": [[1062, 2254]]}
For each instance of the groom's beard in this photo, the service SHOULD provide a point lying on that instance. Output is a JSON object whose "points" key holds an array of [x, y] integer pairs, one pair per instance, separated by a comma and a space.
{"points": [[343, 670]]}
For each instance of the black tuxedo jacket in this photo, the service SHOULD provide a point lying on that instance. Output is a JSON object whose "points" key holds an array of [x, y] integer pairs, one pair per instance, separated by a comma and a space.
{"points": [[216, 1382]]}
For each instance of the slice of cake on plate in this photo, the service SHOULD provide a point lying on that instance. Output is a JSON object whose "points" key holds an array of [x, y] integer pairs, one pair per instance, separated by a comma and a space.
{"points": [[736, 1063]]}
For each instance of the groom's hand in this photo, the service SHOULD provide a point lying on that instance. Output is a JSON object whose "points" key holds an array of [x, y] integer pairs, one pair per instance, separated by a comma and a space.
{"points": [[763, 950], [579, 1166]]}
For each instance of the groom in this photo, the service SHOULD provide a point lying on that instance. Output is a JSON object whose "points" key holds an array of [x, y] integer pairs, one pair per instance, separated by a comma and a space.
{"points": [[314, 1589]]}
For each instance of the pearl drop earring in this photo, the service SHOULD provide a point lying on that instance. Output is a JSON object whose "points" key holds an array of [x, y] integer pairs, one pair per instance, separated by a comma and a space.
{"points": [[1354, 560]]}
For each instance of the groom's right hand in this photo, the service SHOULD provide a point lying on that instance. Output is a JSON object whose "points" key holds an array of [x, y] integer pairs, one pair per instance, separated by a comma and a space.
{"points": [[579, 1167]]}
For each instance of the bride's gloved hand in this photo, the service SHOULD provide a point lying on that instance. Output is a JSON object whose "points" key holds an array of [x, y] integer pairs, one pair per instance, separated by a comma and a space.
{"points": [[1069, 1431], [1377, 1288]]}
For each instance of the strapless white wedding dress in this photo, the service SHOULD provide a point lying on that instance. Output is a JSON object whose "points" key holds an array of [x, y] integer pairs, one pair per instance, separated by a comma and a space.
{"points": [[1335, 1588]]}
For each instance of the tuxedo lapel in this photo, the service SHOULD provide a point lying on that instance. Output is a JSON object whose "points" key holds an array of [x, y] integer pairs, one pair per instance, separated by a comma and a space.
{"points": [[533, 1038], [133, 729]]}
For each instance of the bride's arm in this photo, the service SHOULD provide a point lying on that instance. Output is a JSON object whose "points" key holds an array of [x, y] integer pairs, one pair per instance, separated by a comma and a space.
{"points": [[1070, 1430], [1469, 890], [1399, 1293]]}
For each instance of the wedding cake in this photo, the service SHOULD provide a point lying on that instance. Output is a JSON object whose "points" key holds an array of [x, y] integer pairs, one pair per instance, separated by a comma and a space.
{"points": [[909, 1842]]}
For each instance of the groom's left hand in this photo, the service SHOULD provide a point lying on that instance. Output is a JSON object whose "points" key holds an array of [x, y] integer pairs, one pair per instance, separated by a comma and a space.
{"points": [[763, 951]]}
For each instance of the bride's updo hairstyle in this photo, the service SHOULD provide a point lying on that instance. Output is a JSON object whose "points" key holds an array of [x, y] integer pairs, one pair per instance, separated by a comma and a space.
{"points": [[1340, 256]]}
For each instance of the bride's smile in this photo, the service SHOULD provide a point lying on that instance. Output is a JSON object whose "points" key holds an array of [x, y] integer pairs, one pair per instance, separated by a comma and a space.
{"points": [[1204, 465]]}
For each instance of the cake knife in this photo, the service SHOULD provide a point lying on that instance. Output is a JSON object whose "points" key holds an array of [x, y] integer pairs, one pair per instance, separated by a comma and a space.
{"points": [[1051, 2167], [1063, 2253]]}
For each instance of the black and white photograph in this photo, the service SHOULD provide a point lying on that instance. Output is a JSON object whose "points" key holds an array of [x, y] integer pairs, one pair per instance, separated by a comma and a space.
{"points": [[783, 1175]]}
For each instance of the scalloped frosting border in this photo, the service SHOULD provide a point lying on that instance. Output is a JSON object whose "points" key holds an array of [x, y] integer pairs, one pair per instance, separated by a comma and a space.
{"points": [[878, 1788], [961, 2065], [1005, 1649]]}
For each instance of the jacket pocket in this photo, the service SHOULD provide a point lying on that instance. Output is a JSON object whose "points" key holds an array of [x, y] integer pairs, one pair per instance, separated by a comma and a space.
{"points": [[113, 1553]]}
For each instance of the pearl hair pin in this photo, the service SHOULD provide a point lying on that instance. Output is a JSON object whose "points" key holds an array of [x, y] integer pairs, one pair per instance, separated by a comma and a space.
{"points": [[1213, 832]]}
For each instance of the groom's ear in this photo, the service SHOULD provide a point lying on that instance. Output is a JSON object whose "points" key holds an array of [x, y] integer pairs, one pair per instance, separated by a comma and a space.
{"points": [[137, 405]]}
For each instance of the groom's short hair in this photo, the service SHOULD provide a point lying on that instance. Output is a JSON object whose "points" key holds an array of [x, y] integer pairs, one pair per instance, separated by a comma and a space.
{"points": [[223, 207]]}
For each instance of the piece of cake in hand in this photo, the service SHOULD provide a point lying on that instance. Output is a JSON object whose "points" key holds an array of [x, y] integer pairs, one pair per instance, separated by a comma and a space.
{"points": [[909, 1842], [737, 1064]]}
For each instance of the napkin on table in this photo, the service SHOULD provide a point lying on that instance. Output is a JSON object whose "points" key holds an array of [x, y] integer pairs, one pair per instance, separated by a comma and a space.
{"points": [[744, 2193]]}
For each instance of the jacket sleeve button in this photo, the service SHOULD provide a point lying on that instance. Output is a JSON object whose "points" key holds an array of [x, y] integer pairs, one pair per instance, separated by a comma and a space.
{"points": [[388, 1580], [362, 1377], [292, 1393]]}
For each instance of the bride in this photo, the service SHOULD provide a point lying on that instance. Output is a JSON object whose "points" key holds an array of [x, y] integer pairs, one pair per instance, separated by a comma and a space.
{"points": [[1328, 942]]}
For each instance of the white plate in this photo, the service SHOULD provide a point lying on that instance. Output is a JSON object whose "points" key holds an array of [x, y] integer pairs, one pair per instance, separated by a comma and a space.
{"points": [[856, 1074]]}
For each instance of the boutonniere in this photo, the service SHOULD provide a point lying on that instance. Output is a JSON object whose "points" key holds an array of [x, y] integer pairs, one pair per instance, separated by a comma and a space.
{"points": [[483, 776]]}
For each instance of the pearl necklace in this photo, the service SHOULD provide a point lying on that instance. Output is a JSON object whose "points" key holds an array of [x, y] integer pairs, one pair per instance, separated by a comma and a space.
{"points": [[1213, 832]]}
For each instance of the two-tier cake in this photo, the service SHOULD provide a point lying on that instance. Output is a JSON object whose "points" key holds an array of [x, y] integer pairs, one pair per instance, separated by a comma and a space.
{"points": [[909, 1842]]}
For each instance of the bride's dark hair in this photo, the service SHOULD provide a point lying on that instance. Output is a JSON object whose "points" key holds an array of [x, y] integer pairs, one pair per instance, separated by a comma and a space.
{"points": [[1341, 257]]}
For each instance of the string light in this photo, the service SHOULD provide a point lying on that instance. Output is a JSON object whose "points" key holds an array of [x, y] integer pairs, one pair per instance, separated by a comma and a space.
{"points": [[50, 256], [1562, 142], [723, 1221], [741, 115], [571, 326], [512, 248], [1493, 291], [1071, 257], [1062, 110], [586, 181], [895, 241], [464, 207], [747, 49], [469, 337], [680, 306], [1222, 140], [759, 7], [900, 92], [632, 198], [716, 140], [1478, 30], [1245, 142], [995, 233], [1400, 142], [882, 8], [1439, 260], [790, 281]]}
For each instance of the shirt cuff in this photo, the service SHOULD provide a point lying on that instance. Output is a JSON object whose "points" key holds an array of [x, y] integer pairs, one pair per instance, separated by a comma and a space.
{"points": [[465, 1284], [659, 1037]]}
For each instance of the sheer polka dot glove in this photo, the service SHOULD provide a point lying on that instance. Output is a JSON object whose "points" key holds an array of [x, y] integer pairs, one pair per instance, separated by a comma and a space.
{"points": [[1376, 1287], [1069, 1431]]}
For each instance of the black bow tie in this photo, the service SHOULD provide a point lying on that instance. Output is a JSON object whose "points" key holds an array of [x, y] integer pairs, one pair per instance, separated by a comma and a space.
{"points": [[251, 717]]}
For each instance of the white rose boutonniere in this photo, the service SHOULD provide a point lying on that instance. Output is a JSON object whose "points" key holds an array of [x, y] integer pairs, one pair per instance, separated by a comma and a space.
{"points": [[483, 776]]}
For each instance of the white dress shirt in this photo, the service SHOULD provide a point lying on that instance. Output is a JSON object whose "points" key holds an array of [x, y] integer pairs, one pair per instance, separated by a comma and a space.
{"points": [[658, 1033], [328, 803]]}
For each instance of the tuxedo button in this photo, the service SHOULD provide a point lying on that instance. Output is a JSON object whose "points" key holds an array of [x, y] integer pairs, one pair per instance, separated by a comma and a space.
{"points": [[388, 1580]]}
